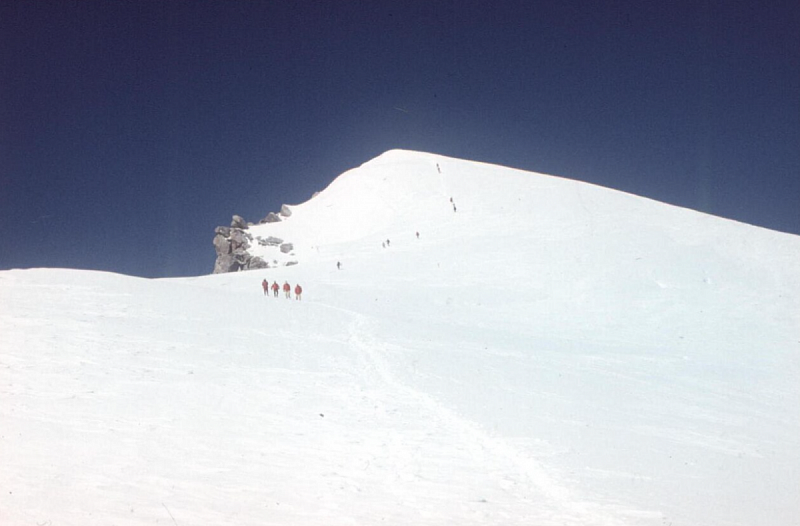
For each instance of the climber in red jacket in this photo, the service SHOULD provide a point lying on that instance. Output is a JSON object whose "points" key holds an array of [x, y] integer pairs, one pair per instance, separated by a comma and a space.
{"points": [[298, 290], [265, 286], [287, 289], [275, 289]]}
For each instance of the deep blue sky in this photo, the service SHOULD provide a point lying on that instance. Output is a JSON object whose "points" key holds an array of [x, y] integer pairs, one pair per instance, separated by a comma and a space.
{"points": [[129, 130]]}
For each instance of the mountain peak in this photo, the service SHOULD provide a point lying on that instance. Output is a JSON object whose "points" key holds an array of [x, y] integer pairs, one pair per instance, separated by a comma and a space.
{"points": [[403, 191]]}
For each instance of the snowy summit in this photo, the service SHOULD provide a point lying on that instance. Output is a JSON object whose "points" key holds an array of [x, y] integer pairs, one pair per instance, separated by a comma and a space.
{"points": [[474, 345]]}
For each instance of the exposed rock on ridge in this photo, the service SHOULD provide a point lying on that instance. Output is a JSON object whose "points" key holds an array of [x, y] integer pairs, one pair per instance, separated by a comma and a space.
{"points": [[272, 217], [232, 245], [238, 222]]}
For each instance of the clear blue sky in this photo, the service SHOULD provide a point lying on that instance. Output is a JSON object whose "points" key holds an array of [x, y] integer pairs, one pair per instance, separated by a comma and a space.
{"points": [[129, 130]]}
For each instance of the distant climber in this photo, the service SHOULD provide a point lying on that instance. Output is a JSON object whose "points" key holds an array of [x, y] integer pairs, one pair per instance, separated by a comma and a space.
{"points": [[339, 265], [451, 199], [417, 235], [438, 169], [454, 207], [265, 286], [383, 244], [298, 290], [275, 289], [287, 289], [387, 243]]}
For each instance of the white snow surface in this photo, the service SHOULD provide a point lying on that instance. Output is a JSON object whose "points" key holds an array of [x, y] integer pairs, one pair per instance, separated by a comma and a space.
{"points": [[553, 353]]}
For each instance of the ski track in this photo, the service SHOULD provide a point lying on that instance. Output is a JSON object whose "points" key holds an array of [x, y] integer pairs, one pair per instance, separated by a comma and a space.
{"points": [[523, 478]]}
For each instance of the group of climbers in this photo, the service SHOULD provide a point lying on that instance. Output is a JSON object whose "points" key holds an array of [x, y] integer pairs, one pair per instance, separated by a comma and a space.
{"points": [[384, 244], [287, 289], [298, 290]]}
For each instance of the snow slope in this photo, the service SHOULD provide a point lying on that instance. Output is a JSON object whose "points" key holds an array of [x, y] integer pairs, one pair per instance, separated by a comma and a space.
{"points": [[552, 353]]}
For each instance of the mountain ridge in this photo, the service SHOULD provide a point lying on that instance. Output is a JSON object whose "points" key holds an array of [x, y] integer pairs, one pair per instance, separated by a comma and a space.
{"points": [[378, 194]]}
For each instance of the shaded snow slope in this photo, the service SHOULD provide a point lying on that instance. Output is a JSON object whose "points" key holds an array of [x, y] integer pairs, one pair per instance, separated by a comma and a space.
{"points": [[552, 353]]}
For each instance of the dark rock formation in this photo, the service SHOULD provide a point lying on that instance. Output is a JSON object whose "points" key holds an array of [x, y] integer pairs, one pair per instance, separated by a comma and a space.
{"points": [[240, 255], [232, 243], [269, 242], [256, 262], [222, 245], [238, 239], [272, 217], [225, 263], [238, 222]]}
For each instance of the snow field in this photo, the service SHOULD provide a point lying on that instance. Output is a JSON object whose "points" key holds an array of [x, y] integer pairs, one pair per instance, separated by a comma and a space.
{"points": [[553, 353]]}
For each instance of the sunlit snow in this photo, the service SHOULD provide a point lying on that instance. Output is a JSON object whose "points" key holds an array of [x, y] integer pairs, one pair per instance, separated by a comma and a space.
{"points": [[551, 353]]}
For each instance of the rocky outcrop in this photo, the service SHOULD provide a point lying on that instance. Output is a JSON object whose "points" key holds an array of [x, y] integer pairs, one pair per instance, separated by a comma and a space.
{"points": [[285, 211], [272, 217], [225, 263], [238, 240], [256, 262], [238, 222], [232, 245], [269, 242], [222, 245]]}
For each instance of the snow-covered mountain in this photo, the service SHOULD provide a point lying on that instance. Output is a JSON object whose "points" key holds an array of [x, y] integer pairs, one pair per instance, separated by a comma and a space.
{"points": [[549, 353]]}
